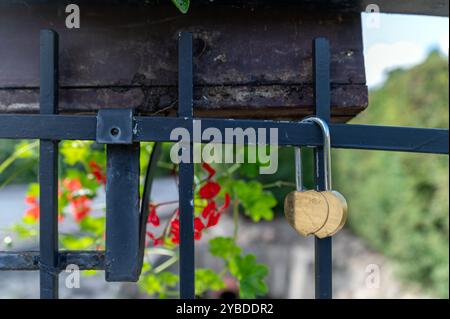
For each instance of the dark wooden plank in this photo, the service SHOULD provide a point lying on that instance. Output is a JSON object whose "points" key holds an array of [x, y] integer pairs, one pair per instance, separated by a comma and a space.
{"points": [[425, 7], [276, 102], [232, 46], [261, 49]]}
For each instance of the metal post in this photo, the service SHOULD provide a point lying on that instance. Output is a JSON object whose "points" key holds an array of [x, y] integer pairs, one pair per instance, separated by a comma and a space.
{"points": [[122, 213], [123, 250], [186, 171], [48, 169], [323, 247]]}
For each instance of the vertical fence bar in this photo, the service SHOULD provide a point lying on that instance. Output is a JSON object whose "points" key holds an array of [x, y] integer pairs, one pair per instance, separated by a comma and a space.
{"points": [[48, 169], [186, 170], [323, 247]]}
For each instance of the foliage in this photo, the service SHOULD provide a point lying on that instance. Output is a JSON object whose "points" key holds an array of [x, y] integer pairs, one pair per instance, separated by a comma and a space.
{"points": [[182, 5], [399, 202], [17, 162], [83, 175]]}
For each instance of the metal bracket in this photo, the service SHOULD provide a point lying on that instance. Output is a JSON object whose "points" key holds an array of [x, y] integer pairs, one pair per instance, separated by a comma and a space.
{"points": [[123, 219], [115, 126]]}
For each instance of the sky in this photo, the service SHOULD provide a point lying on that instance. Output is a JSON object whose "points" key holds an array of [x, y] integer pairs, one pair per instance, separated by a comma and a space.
{"points": [[400, 41]]}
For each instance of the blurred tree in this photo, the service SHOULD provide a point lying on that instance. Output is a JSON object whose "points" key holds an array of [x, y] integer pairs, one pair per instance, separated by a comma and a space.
{"points": [[398, 201]]}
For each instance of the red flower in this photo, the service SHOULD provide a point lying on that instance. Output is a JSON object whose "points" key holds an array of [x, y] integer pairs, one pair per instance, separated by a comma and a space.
{"points": [[176, 237], [153, 216], [72, 184], [30, 200], [175, 224], [175, 230], [198, 228], [210, 208], [213, 219], [80, 207], [97, 171], [211, 171], [33, 211], [209, 190], [156, 241], [226, 203]]}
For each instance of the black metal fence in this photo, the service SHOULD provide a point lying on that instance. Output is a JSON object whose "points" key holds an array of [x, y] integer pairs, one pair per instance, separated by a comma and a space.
{"points": [[121, 131]]}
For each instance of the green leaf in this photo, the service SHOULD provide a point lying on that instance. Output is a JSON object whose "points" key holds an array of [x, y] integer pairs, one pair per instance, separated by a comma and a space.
{"points": [[224, 247], [26, 149], [182, 5], [23, 231], [29, 220], [21, 151], [250, 275], [75, 243], [33, 190], [206, 280], [258, 204], [151, 284], [168, 279], [94, 225], [75, 152], [250, 170], [146, 267]]}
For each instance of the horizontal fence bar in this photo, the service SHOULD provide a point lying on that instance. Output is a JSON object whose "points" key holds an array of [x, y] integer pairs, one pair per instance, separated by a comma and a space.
{"points": [[29, 260], [158, 129]]}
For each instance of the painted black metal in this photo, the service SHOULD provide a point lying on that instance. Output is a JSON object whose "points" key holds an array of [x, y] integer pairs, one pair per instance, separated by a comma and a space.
{"points": [[186, 170], [157, 129], [125, 225], [122, 261], [48, 170], [115, 126], [30, 260], [323, 247]]}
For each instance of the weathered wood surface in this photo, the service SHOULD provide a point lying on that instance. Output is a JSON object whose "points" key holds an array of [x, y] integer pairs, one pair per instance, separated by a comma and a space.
{"points": [[250, 61]]}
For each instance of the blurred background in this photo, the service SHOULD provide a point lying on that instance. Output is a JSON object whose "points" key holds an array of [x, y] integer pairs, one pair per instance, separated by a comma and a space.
{"points": [[396, 242]]}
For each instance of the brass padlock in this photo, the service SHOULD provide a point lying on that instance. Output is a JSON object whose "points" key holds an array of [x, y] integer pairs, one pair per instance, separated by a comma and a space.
{"points": [[337, 204], [306, 211], [311, 212]]}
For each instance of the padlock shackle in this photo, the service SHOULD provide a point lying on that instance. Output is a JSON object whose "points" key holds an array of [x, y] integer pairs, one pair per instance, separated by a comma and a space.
{"points": [[326, 148], [298, 169]]}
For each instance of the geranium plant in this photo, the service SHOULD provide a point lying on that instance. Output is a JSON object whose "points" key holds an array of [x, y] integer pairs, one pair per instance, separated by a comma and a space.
{"points": [[219, 190]]}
